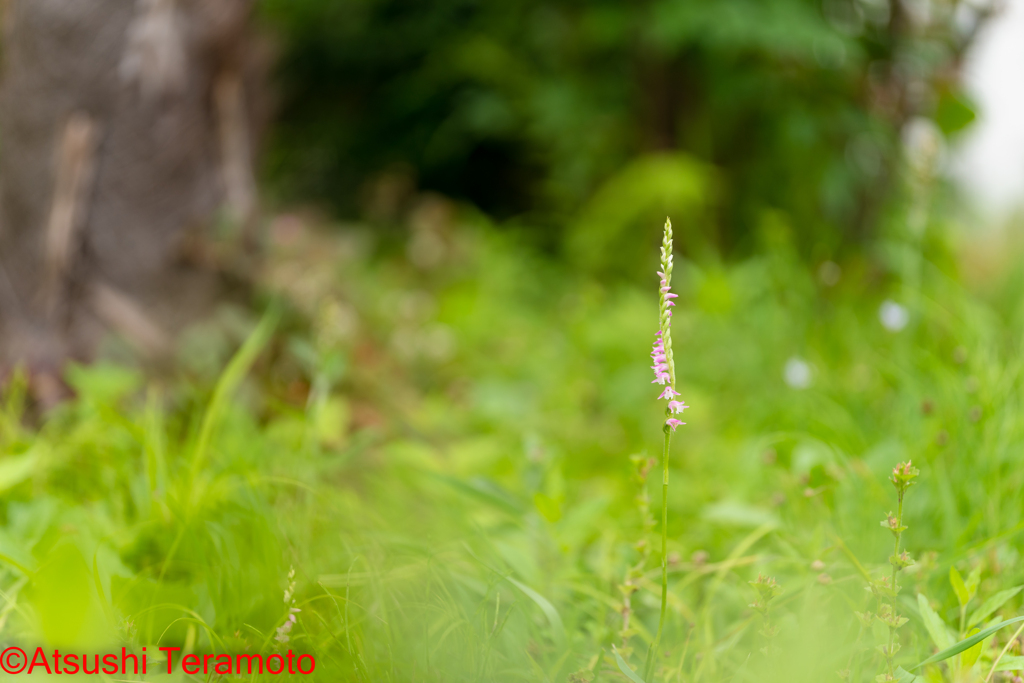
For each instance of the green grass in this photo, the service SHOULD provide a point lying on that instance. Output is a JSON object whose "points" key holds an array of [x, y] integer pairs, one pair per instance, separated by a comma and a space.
{"points": [[443, 456]]}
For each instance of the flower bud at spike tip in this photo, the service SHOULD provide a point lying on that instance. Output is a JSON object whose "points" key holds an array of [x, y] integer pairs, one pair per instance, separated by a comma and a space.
{"points": [[903, 475]]}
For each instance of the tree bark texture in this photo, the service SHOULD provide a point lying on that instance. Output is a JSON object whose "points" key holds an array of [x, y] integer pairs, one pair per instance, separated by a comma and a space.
{"points": [[124, 127]]}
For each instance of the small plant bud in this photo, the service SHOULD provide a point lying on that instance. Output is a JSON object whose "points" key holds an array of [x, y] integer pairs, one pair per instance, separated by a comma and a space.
{"points": [[901, 561], [767, 589], [766, 586], [892, 524], [865, 618], [890, 618], [881, 588], [903, 475]]}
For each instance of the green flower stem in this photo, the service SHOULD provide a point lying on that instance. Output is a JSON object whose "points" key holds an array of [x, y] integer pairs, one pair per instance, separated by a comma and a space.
{"points": [[649, 666], [895, 568]]}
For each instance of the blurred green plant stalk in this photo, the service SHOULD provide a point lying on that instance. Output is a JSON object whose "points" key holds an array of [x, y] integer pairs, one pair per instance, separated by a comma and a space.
{"points": [[903, 476]]}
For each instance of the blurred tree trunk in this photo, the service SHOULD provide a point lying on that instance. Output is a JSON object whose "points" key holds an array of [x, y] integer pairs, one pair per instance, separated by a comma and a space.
{"points": [[124, 127]]}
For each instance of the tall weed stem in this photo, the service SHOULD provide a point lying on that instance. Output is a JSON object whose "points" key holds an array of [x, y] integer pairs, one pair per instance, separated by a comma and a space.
{"points": [[902, 478]]}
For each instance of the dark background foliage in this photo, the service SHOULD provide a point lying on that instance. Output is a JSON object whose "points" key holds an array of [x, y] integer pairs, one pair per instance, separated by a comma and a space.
{"points": [[525, 107]]}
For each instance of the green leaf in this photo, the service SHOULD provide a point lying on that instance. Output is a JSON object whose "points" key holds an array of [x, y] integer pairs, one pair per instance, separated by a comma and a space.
{"points": [[967, 643], [546, 607], [556, 668], [484, 490], [549, 508], [102, 382], [16, 469], [17, 565], [954, 112], [1010, 664], [904, 676], [991, 605], [971, 655], [624, 668], [959, 588], [933, 623], [972, 582], [607, 231], [229, 380]]}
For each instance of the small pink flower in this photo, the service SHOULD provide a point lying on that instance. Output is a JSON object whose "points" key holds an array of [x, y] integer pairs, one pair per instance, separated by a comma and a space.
{"points": [[661, 378], [677, 406], [671, 296], [660, 358], [673, 423], [669, 393], [665, 289]]}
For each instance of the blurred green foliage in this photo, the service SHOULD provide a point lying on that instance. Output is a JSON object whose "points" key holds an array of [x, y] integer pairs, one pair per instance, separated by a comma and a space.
{"points": [[441, 449], [437, 442], [527, 108]]}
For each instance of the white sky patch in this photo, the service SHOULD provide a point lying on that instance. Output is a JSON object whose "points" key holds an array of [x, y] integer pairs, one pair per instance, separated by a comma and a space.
{"points": [[989, 161]]}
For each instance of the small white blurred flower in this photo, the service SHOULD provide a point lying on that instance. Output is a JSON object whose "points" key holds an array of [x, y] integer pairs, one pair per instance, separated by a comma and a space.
{"points": [[893, 316], [797, 373]]}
